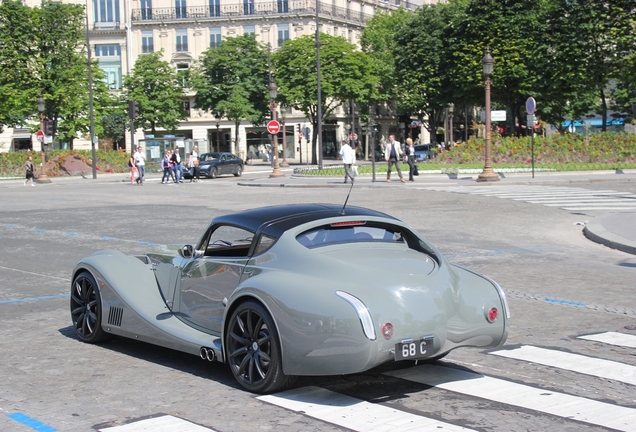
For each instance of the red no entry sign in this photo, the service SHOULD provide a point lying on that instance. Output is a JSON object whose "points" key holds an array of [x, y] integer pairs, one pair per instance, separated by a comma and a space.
{"points": [[273, 127], [40, 136], [353, 137]]}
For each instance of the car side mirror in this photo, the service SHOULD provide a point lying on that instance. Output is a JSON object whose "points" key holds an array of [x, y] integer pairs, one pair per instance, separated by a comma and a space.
{"points": [[186, 251]]}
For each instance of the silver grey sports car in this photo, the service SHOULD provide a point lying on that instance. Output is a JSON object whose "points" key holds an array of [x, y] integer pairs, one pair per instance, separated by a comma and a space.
{"points": [[283, 291]]}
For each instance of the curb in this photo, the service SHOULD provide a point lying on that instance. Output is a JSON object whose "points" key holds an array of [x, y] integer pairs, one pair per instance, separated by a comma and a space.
{"points": [[596, 232]]}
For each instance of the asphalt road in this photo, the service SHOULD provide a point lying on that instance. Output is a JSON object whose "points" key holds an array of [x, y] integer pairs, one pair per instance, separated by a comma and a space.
{"points": [[560, 286]]}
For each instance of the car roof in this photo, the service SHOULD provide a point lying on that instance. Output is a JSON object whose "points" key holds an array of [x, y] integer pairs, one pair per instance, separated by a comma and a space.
{"points": [[275, 220]]}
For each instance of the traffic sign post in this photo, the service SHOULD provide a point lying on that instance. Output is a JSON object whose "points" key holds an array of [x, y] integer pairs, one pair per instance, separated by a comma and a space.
{"points": [[531, 105], [273, 127]]}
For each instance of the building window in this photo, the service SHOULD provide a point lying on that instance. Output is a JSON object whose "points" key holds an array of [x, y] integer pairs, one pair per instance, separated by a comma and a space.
{"points": [[215, 37], [106, 11], [183, 75], [180, 8], [186, 107], [283, 6], [146, 9], [109, 57], [249, 30], [147, 44], [215, 8], [283, 34], [182, 40], [248, 7]]}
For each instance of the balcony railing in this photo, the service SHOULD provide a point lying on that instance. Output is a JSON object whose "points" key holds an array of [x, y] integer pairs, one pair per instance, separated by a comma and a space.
{"points": [[251, 9]]}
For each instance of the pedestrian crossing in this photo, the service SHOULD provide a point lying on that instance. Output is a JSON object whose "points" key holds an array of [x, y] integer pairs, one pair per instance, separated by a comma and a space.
{"points": [[567, 198], [359, 415]]}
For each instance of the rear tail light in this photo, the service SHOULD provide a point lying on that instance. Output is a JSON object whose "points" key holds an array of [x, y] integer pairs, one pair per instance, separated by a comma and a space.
{"points": [[387, 331], [492, 314]]}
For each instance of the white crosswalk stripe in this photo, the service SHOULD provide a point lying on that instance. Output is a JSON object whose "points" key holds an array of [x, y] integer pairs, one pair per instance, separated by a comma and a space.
{"points": [[613, 338], [353, 413], [165, 423], [358, 415], [567, 198]]}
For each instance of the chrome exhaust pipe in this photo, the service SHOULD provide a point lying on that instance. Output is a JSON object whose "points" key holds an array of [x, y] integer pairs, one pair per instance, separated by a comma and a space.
{"points": [[207, 354]]}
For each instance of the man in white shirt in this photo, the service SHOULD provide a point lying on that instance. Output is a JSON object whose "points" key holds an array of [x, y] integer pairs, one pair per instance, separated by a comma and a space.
{"points": [[348, 156], [140, 162], [393, 155]]}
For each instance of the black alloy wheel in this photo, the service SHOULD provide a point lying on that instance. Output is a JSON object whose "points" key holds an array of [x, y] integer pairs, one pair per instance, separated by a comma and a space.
{"points": [[238, 171], [86, 309], [214, 172], [253, 350]]}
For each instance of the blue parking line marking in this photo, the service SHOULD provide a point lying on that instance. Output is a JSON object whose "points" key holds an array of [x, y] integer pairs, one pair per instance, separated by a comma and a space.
{"points": [[147, 243], [107, 238], [73, 234], [31, 422], [30, 299], [39, 230], [565, 302], [10, 225]]}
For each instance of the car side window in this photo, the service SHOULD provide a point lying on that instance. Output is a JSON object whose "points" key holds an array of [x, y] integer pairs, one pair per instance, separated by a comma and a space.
{"points": [[227, 240]]}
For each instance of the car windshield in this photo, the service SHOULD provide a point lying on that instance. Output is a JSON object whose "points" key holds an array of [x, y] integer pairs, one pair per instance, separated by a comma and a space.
{"points": [[330, 234], [421, 147]]}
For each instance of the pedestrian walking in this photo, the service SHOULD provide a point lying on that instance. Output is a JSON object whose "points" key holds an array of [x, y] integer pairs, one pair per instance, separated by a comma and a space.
{"points": [[167, 169], [348, 156], [176, 165], [30, 171], [193, 164], [134, 172], [409, 152], [393, 155], [140, 163]]}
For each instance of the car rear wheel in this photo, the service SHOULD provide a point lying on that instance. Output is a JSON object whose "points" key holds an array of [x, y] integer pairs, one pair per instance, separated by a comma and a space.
{"points": [[238, 171], [86, 309], [253, 350], [214, 172]]}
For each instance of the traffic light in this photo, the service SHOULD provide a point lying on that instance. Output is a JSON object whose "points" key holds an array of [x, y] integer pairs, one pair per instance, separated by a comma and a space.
{"points": [[375, 127], [48, 127], [133, 111]]}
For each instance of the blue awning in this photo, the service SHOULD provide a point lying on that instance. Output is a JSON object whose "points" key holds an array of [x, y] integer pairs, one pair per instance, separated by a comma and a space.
{"points": [[593, 122]]}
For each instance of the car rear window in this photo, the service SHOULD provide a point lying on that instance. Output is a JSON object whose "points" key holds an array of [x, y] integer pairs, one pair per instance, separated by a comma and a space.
{"points": [[329, 234]]}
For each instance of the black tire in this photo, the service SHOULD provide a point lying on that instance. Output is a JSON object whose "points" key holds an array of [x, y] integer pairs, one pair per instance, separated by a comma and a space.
{"points": [[214, 172], [253, 350], [86, 309], [238, 171]]}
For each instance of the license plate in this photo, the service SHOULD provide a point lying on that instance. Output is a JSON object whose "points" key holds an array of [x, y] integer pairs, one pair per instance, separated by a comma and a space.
{"points": [[414, 349]]}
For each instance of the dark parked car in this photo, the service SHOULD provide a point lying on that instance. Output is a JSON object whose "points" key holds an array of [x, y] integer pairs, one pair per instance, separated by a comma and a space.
{"points": [[423, 152], [212, 165]]}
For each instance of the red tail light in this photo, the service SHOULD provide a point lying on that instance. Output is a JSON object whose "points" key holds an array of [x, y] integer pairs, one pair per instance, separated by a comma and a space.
{"points": [[492, 314]]}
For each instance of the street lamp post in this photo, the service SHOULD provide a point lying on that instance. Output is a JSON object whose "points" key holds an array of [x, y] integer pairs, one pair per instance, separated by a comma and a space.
{"points": [[451, 108], [273, 90], [488, 174], [218, 144], [43, 178], [283, 112]]}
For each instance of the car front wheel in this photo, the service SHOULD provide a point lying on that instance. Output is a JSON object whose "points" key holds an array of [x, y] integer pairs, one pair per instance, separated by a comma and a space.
{"points": [[238, 171], [86, 309], [214, 173], [253, 350]]}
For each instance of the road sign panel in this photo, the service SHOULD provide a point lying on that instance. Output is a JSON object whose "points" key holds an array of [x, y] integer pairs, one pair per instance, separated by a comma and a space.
{"points": [[300, 135], [353, 136], [273, 127], [531, 105], [40, 136]]}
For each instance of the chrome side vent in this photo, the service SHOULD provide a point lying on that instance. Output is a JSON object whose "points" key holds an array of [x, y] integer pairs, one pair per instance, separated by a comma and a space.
{"points": [[115, 315]]}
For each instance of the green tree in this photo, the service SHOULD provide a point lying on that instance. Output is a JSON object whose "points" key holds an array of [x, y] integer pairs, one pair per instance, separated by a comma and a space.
{"points": [[159, 94], [18, 66], [346, 74], [512, 30], [232, 81]]}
